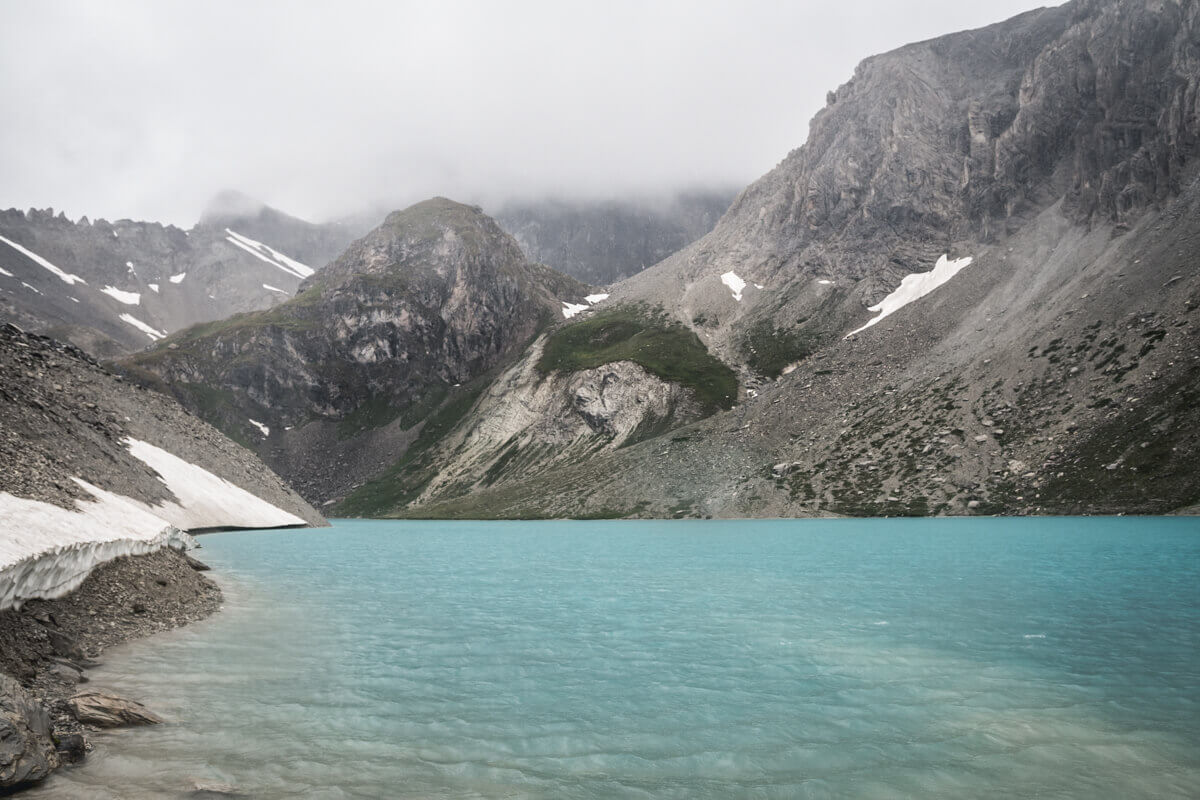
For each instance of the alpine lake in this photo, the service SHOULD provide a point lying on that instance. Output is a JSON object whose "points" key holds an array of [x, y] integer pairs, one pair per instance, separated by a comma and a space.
{"points": [[916, 658]]}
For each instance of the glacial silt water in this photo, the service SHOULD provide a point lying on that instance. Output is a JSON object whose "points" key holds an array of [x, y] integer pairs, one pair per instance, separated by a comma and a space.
{"points": [[981, 658]]}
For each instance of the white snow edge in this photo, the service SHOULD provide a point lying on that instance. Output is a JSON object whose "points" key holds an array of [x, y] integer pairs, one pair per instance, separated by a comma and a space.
{"points": [[65, 277], [46, 551], [269, 255], [735, 284], [153, 333], [914, 286], [128, 298]]}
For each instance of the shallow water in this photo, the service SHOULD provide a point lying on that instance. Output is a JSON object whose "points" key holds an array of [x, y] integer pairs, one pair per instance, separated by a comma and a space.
{"points": [[771, 659]]}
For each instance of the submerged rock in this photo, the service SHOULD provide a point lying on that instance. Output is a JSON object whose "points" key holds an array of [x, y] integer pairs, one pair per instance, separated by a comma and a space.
{"points": [[110, 711]]}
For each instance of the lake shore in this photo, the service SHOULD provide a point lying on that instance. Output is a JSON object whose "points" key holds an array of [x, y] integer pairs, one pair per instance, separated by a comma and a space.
{"points": [[48, 645]]}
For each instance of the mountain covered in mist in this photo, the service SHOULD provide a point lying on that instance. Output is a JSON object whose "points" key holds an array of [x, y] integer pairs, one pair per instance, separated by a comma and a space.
{"points": [[116, 287], [602, 241], [396, 336], [970, 291]]}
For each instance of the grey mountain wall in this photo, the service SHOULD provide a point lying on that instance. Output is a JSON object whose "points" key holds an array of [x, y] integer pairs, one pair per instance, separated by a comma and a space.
{"points": [[164, 278]]}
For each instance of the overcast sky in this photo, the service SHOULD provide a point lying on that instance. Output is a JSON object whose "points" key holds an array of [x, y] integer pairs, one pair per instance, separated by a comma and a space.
{"points": [[146, 109]]}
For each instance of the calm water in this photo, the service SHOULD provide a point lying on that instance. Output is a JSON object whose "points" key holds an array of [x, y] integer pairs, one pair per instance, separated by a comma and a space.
{"points": [[850, 659]]}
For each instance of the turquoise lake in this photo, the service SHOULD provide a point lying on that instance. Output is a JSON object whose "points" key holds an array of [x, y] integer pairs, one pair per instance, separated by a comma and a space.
{"points": [[976, 658]]}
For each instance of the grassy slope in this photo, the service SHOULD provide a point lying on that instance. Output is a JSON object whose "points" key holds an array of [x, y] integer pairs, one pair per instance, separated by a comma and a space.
{"points": [[663, 348]]}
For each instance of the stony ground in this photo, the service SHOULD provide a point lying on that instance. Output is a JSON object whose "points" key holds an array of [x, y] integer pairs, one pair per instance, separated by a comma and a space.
{"points": [[48, 645]]}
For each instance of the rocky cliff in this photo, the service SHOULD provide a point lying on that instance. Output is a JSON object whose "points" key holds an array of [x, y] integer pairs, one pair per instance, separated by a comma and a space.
{"points": [[114, 288]]}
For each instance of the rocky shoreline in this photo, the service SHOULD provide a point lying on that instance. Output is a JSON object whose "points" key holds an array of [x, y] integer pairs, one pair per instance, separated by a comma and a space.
{"points": [[47, 647]]}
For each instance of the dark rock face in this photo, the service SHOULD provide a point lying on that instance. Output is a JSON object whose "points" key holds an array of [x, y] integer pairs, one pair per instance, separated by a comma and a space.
{"points": [[164, 278], [26, 748], [602, 242], [430, 300]]}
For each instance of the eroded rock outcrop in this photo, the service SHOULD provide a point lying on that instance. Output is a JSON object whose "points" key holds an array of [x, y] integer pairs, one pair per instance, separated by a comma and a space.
{"points": [[27, 752]]}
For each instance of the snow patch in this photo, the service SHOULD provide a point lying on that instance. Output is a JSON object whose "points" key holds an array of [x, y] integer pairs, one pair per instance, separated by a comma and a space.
{"points": [[128, 298], [177, 278], [735, 284], [154, 335], [269, 255], [205, 500], [74, 299], [31, 288], [824, 282], [65, 277], [571, 309], [913, 287], [153, 287], [271, 288], [265, 430], [5, 272], [595, 298]]}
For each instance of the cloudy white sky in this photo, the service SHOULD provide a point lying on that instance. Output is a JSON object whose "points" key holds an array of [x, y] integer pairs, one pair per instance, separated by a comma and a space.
{"points": [[146, 108]]}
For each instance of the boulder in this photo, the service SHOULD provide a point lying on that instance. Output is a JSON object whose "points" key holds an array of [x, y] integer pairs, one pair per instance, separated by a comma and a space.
{"points": [[26, 748], [110, 711]]}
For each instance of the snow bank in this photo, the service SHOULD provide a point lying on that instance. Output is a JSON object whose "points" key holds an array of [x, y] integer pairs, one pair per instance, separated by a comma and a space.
{"points": [[154, 335], [205, 500], [571, 309], [177, 278], [735, 284], [915, 286], [128, 298], [269, 255], [265, 430], [47, 551], [595, 298], [65, 277], [271, 288], [153, 287]]}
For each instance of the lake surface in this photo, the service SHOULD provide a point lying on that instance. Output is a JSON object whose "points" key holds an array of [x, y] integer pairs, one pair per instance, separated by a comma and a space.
{"points": [[979, 658]]}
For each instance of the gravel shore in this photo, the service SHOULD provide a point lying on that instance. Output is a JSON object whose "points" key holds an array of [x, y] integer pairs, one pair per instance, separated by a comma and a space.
{"points": [[48, 645]]}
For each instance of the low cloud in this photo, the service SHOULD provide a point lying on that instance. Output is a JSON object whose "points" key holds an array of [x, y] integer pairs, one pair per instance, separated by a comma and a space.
{"points": [[148, 109]]}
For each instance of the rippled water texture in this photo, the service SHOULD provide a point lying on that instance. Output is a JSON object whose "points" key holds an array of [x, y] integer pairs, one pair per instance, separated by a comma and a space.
{"points": [[857, 659]]}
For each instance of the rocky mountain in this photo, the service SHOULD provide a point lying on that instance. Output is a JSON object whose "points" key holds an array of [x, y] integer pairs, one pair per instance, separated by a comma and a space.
{"points": [[600, 242], [389, 343], [971, 291], [114, 288]]}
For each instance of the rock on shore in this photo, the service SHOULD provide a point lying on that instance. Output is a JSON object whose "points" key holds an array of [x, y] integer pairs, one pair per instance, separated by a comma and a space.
{"points": [[47, 647]]}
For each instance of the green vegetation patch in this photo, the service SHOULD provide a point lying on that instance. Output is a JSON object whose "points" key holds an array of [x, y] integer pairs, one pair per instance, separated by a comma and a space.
{"points": [[768, 350], [663, 348], [403, 481]]}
